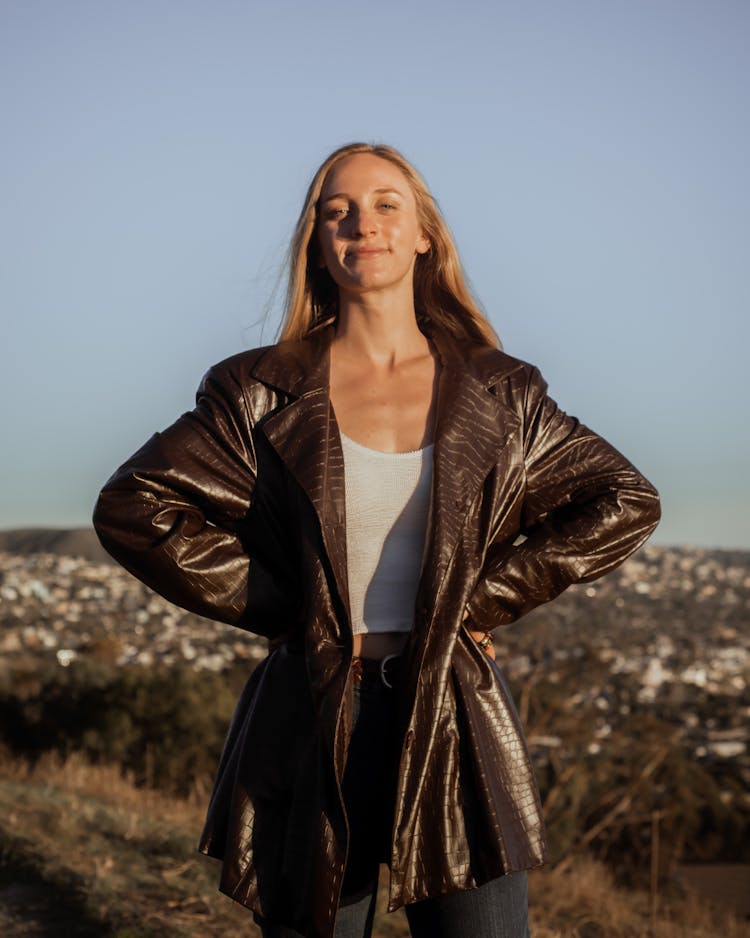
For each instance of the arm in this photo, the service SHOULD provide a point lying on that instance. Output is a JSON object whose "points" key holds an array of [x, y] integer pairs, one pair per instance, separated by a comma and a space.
{"points": [[171, 514], [586, 509]]}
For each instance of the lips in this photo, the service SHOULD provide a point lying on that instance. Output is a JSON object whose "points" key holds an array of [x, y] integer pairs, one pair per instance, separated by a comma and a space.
{"points": [[365, 253]]}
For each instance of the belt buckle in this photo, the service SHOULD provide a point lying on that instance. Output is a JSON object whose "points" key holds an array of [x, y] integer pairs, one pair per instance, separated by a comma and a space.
{"points": [[383, 663]]}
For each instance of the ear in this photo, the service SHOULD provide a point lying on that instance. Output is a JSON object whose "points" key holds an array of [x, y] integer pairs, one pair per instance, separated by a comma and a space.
{"points": [[423, 244]]}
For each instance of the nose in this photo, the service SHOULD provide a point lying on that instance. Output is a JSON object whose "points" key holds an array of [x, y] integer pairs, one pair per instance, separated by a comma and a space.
{"points": [[364, 223]]}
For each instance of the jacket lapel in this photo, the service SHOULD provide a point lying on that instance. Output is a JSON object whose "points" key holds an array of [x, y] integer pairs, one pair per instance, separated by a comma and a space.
{"points": [[305, 436], [472, 428]]}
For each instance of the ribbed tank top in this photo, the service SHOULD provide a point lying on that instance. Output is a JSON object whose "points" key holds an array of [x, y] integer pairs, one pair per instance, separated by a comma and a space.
{"points": [[387, 501]]}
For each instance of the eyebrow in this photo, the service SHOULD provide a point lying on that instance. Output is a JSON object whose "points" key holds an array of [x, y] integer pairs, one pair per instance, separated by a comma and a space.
{"points": [[344, 195]]}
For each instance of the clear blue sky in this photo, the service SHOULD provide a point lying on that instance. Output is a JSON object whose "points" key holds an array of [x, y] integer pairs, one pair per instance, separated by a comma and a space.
{"points": [[591, 158]]}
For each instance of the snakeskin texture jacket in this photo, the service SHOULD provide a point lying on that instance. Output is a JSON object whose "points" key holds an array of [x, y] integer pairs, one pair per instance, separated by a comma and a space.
{"points": [[237, 512]]}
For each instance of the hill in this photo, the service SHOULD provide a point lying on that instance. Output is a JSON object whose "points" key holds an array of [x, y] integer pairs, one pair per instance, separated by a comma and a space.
{"points": [[70, 542], [85, 853]]}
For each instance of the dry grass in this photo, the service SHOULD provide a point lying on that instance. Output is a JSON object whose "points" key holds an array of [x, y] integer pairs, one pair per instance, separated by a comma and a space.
{"points": [[76, 774], [585, 902], [123, 859]]}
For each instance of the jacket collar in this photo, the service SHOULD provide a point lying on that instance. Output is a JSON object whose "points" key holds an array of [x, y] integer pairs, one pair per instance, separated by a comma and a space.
{"points": [[472, 426]]}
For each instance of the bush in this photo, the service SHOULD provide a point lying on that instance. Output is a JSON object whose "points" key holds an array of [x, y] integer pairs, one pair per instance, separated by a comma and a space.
{"points": [[164, 724]]}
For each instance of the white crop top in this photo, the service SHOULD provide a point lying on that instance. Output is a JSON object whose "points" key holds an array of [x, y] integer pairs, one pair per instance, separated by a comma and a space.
{"points": [[387, 500]]}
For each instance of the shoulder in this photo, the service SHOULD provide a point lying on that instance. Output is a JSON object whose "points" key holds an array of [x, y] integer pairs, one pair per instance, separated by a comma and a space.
{"points": [[237, 367], [266, 376], [232, 383], [233, 373], [284, 361], [496, 368]]}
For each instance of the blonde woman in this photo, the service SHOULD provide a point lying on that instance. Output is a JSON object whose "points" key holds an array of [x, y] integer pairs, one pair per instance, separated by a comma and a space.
{"points": [[375, 494]]}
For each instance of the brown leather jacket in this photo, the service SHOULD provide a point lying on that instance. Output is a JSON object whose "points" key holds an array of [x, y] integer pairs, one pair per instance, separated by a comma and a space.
{"points": [[236, 512]]}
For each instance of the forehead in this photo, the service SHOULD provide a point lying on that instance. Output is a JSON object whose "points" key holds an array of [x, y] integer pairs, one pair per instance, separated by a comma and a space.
{"points": [[362, 173]]}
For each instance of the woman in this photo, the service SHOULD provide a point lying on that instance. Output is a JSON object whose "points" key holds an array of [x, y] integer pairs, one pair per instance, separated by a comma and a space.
{"points": [[375, 494]]}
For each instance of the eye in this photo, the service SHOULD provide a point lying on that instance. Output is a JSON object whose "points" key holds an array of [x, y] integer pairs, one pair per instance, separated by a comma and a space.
{"points": [[388, 205], [336, 212]]}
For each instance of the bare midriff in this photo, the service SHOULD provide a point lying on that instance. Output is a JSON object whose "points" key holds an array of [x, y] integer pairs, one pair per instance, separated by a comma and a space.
{"points": [[379, 644]]}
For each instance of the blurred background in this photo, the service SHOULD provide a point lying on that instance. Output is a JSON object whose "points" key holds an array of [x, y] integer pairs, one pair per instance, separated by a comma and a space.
{"points": [[591, 159]]}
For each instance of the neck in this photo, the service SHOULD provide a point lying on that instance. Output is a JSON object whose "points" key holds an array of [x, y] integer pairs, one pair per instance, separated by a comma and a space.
{"points": [[384, 332]]}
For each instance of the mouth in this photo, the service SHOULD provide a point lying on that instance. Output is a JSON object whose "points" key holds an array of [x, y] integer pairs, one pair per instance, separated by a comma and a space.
{"points": [[365, 253]]}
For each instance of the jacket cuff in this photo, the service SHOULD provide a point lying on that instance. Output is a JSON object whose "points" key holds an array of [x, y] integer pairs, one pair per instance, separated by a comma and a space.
{"points": [[486, 612]]}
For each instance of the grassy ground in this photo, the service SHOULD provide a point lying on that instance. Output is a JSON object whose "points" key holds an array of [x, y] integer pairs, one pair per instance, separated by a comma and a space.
{"points": [[83, 852]]}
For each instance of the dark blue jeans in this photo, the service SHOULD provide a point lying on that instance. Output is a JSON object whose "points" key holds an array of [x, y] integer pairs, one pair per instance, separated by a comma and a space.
{"points": [[497, 909]]}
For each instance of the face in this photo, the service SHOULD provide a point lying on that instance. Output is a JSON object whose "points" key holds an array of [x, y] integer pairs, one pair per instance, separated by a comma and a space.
{"points": [[368, 230]]}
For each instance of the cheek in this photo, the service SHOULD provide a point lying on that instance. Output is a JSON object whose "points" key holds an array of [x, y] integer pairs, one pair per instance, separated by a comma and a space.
{"points": [[409, 235], [327, 244], [323, 249], [407, 228]]}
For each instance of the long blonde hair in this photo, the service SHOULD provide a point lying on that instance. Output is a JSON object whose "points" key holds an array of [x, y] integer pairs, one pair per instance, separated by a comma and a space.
{"points": [[441, 296]]}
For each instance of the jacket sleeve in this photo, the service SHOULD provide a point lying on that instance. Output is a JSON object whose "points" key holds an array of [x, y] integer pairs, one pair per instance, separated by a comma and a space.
{"points": [[171, 515], [586, 509]]}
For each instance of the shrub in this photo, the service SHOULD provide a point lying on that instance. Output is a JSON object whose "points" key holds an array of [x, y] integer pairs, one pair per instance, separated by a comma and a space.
{"points": [[164, 724]]}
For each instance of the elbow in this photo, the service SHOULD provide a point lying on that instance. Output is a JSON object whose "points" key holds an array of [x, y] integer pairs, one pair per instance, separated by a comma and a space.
{"points": [[638, 515], [99, 518], [99, 515], [650, 507], [656, 510], [637, 506], [123, 524], [108, 525]]}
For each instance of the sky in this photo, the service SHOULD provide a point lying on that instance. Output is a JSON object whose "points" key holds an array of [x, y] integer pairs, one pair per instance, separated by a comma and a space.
{"points": [[590, 156]]}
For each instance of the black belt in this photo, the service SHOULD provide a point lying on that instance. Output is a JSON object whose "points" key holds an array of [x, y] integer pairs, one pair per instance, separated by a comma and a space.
{"points": [[386, 669]]}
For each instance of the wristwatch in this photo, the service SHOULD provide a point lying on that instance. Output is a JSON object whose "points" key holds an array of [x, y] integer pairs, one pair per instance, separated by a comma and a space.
{"points": [[485, 640]]}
